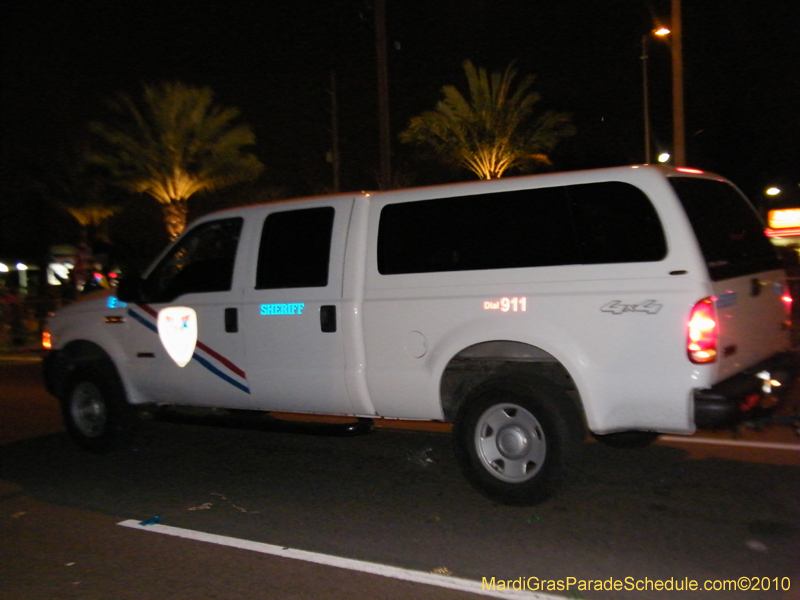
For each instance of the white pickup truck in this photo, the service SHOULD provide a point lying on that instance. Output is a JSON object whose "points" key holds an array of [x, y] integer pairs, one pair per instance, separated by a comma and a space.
{"points": [[625, 302]]}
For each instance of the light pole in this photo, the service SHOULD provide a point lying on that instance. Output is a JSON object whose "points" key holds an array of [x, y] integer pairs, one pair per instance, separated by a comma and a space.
{"points": [[645, 92], [646, 102]]}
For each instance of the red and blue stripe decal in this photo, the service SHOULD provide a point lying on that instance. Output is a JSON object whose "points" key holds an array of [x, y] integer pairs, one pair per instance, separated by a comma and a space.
{"points": [[207, 363]]}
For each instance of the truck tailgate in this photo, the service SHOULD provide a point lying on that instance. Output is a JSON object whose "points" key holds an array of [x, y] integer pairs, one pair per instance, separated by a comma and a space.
{"points": [[752, 317]]}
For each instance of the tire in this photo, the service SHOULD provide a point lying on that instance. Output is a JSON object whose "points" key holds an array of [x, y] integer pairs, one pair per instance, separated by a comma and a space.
{"points": [[627, 439], [95, 411], [517, 441]]}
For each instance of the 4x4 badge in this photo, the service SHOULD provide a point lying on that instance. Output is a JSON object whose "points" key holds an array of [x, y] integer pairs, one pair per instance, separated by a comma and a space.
{"points": [[616, 307]]}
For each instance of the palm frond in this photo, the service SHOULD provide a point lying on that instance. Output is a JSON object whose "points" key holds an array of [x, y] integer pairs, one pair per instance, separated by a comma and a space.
{"points": [[174, 143], [492, 129]]}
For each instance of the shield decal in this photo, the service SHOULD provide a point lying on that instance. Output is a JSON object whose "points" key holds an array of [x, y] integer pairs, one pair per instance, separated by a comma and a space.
{"points": [[177, 328]]}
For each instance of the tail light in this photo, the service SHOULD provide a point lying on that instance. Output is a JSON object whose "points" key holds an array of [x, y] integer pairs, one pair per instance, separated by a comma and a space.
{"points": [[701, 339], [47, 342], [786, 296], [787, 299]]}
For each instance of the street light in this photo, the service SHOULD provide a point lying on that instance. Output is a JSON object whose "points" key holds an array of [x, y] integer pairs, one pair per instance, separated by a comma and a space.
{"points": [[661, 31]]}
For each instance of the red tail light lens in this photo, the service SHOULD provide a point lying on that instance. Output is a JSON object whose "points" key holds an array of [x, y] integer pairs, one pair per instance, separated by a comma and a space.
{"points": [[701, 342], [787, 299], [786, 296]]}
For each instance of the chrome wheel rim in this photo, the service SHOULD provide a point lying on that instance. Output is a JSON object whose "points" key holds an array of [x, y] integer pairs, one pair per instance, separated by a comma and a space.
{"points": [[88, 409], [510, 442]]}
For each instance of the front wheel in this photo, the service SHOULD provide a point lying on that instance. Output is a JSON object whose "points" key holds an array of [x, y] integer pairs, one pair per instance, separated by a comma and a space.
{"points": [[516, 441], [96, 414]]}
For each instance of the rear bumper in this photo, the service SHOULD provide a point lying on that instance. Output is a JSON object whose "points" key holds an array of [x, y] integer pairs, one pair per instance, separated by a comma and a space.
{"points": [[727, 402]]}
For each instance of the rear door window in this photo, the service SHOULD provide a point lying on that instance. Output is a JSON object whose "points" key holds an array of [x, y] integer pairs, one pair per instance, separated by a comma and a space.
{"points": [[730, 232]]}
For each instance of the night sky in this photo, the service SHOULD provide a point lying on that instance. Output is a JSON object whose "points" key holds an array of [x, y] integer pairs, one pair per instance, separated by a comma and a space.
{"points": [[274, 59]]}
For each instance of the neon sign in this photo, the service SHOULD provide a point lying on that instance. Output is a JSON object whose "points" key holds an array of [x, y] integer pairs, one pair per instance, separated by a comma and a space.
{"points": [[515, 304], [784, 218], [177, 328], [294, 308]]}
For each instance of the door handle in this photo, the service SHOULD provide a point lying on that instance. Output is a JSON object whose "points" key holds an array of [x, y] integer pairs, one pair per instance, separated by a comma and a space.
{"points": [[231, 320], [327, 318]]}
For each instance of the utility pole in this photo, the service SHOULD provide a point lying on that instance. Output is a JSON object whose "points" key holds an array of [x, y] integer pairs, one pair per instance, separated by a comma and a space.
{"points": [[678, 125], [646, 99], [334, 156], [385, 172]]}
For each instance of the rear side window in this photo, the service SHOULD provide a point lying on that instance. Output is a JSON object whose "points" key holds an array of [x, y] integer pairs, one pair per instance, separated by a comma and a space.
{"points": [[486, 231], [584, 224], [727, 227], [615, 222], [295, 249]]}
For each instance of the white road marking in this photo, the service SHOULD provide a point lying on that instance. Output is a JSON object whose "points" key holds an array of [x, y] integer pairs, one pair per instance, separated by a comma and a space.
{"points": [[434, 579], [443, 581], [740, 443]]}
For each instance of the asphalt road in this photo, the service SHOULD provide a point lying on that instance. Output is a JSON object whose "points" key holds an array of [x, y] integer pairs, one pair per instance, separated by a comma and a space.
{"points": [[675, 511]]}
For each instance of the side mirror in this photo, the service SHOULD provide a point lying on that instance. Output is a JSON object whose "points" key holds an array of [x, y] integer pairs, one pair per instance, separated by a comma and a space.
{"points": [[130, 289]]}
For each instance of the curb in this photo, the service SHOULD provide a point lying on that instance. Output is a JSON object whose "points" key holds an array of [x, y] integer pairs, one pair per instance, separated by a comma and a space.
{"points": [[22, 354]]}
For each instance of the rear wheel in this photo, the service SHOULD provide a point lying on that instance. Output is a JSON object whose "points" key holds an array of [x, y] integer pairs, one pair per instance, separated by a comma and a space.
{"points": [[96, 414], [516, 441]]}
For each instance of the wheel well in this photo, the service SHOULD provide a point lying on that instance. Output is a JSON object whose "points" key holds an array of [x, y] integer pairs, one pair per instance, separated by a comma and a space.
{"points": [[60, 364], [475, 364]]}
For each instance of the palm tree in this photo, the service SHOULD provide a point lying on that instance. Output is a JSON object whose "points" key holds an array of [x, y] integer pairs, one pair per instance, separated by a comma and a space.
{"points": [[81, 193], [493, 130], [173, 145]]}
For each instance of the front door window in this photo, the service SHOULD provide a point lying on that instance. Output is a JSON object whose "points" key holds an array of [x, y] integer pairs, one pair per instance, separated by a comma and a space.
{"points": [[201, 262]]}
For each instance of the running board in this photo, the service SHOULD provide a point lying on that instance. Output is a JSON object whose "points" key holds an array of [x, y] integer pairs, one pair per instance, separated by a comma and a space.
{"points": [[258, 421]]}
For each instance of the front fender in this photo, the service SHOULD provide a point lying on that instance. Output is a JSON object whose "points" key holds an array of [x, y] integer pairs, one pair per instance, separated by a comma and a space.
{"points": [[87, 331]]}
